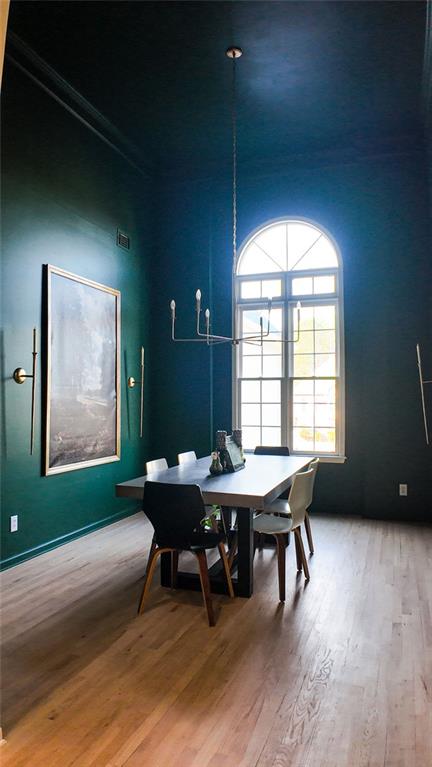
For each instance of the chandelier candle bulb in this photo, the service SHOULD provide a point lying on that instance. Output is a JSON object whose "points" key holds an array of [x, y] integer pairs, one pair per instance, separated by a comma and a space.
{"points": [[198, 300]]}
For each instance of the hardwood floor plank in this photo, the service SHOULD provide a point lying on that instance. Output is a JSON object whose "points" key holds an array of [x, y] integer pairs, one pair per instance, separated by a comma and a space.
{"points": [[337, 676]]}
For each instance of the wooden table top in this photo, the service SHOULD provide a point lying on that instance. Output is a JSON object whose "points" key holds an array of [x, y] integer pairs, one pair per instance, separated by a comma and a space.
{"points": [[264, 478]]}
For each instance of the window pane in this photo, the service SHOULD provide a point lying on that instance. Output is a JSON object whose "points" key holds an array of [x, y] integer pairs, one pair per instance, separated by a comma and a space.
{"points": [[251, 436], [306, 318], [321, 255], [250, 289], [305, 343], [271, 391], [271, 288], [302, 286], [325, 391], [275, 320], [254, 261], [251, 416], [251, 322], [325, 365], [273, 241], [271, 415], [303, 439], [272, 345], [324, 284], [303, 415], [325, 341], [251, 348], [271, 436], [303, 365], [300, 238], [250, 391], [261, 289], [251, 367], [303, 391], [324, 415], [272, 367], [324, 317], [325, 440]]}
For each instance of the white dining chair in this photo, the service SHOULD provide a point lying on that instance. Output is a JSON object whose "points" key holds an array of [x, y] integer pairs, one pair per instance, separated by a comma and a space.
{"points": [[186, 457], [299, 500], [281, 507], [159, 464], [313, 465]]}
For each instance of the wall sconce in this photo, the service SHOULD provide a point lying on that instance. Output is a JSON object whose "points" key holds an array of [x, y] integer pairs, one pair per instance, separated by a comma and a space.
{"points": [[131, 382], [422, 383], [20, 376]]}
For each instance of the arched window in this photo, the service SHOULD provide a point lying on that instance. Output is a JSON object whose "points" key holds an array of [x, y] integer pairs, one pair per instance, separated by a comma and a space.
{"points": [[290, 392]]}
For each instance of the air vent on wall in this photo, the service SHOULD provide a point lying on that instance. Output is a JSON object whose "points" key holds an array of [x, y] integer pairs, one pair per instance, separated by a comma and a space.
{"points": [[122, 240]]}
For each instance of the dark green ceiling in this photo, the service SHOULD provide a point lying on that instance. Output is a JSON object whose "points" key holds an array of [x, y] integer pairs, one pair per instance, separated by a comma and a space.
{"points": [[315, 76]]}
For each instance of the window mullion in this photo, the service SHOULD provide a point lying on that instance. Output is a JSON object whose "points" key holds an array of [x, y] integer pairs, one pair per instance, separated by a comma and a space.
{"points": [[287, 388]]}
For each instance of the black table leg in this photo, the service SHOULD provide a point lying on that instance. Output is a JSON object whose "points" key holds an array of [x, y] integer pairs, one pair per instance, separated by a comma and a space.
{"points": [[227, 517], [244, 586]]}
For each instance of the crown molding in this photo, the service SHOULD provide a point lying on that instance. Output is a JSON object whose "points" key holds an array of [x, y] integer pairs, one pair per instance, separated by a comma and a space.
{"points": [[24, 58]]}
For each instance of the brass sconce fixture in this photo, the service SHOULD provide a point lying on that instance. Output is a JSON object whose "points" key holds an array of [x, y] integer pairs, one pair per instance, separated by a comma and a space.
{"points": [[20, 376], [131, 382]]}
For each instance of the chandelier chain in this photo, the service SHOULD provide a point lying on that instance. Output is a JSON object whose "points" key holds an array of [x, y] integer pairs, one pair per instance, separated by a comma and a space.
{"points": [[234, 161]]}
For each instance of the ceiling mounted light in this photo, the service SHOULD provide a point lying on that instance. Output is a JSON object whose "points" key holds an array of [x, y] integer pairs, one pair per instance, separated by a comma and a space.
{"points": [[234, 53]]}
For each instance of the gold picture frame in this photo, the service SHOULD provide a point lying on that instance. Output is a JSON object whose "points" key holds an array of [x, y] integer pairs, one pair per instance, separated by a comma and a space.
{"points": [[82, 425]]}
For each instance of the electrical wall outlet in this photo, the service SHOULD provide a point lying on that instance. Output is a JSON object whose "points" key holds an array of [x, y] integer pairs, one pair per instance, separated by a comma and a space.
{"points": [[14, 523], [403, 489]]}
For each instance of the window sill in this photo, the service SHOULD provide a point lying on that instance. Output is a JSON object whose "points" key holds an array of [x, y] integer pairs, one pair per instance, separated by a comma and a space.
{"points": [[323, 458]]}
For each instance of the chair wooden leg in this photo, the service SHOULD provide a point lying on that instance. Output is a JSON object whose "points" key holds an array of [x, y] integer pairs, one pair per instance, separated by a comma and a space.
{"points": [[224, 558], [309, 533], [150, 556], [298, 554], [174, 568], [297, 533], [205, 585], [149, 575], [281, 555]]}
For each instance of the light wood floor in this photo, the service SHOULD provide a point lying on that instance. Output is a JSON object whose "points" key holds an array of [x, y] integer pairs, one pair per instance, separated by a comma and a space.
{"points": [[340, 676]]}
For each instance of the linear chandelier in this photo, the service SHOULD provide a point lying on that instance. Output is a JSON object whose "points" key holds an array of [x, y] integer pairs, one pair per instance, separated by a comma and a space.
{"points": [[207, 337]]}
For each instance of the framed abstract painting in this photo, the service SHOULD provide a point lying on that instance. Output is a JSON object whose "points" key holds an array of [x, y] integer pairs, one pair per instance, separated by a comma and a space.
{"points": [[82, 372]]}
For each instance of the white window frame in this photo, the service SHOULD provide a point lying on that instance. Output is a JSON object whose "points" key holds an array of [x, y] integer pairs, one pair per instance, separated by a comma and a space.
{"points": [[287, 300]]}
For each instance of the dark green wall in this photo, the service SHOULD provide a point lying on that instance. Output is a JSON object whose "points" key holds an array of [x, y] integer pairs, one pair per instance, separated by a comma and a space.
{"points": [[377, 210], [64, 195]]}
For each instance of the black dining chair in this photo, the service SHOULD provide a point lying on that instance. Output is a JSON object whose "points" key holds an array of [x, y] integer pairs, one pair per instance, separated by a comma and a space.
{"points": [[176, 513], [271, 450]]}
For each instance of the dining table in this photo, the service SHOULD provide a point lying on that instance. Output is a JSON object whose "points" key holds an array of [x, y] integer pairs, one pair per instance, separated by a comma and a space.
{"points": [[243, 492]]}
